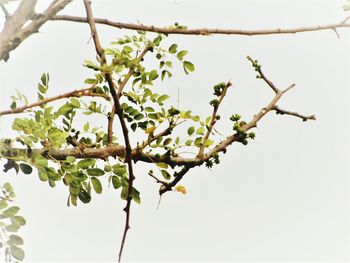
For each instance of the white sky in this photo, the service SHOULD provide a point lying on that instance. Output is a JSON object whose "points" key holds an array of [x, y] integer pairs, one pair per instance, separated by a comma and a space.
{"points": [[284, 197]]}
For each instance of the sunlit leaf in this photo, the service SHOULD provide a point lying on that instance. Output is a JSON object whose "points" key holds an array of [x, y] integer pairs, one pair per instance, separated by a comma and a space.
{"points": [[96, 184]]}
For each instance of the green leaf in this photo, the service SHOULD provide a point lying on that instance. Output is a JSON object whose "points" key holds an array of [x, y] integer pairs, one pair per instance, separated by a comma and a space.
{"points": [[153, 75], [11, 211], [84, 196], [149, 109], [169, 64], [119, 170], [196, 118], [163, 74], [181, 54], [188, 67], [198, 142], [56, 136], [68, 178], [85, 163], [95, 172], [66, 108], [15, 240], [162, 165], [207, 142], [96, 184], [90, 81], [13, 105], [167, 141], [3, 204], [188, 142], [165, 174], [154, 96], [134, 126], [138, 117], [8, 188], [12, 228], [127, 49], [18, 220], [44, 79], [173, 48], [107, 168], [200, 131], [42, 174], [41, 88], [86, 127], [190, 130], [71, 159], [39, 160], [75, 102], [73, 199], [162, 98], [17, 252], [25, 168], [135, 196], [116, 182]]}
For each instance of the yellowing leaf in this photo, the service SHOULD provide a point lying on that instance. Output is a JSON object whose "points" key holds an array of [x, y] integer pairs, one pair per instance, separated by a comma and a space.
{"points": [[181, 189]]}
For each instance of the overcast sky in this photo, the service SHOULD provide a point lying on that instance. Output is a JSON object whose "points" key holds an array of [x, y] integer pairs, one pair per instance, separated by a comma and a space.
{"points": [[284, 197]]}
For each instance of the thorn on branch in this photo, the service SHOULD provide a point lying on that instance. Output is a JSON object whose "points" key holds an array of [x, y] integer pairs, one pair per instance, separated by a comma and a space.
{"points": [[336, 32], [7, 14], [345, 20]]}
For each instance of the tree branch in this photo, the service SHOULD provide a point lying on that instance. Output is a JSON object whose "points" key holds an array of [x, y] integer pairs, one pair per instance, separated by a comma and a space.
{"points": [[213, 119], [13, 33], [119, 93], [178, 177], [202, 31], [303, 117], [131, 71], [76, 93], [119, 112]]}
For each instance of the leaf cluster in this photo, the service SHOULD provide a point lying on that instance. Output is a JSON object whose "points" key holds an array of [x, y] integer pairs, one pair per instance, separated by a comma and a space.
{"points": [[10, 223]]}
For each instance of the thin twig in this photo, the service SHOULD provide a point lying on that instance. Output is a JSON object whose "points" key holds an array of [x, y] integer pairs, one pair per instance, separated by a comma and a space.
{"points": [[110, 125], [152, 137], [262, 75], [293, 113], [132, 70], [76, 93], [157, 180], [202, 31], [213, 119], [178, 177]]}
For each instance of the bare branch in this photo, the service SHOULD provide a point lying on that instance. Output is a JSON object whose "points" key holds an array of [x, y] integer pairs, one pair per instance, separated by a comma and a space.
{"points": [[87, 92], [303, 117], [203, 31], [221, 147], [13, 33], [157, 180], [90, 20]]}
